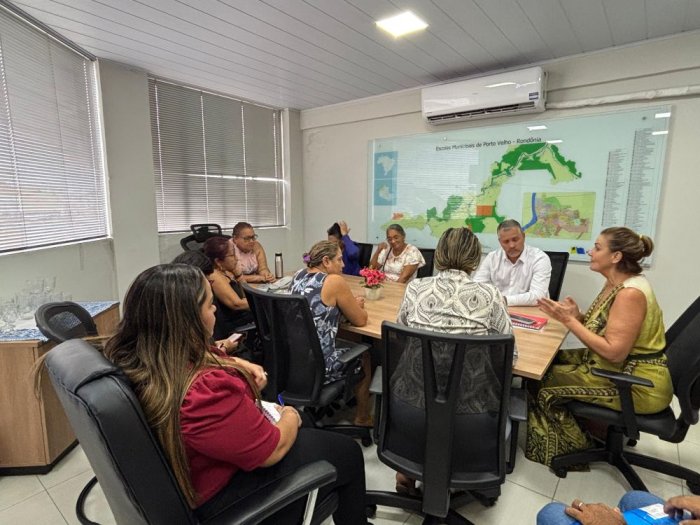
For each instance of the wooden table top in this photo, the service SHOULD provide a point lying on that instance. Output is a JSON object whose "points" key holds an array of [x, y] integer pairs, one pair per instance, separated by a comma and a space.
{"points": [[536, 348]]}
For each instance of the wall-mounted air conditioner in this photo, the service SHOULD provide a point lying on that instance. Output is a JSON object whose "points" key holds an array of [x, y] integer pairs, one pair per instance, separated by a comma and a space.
{"points": [[512, 93]]}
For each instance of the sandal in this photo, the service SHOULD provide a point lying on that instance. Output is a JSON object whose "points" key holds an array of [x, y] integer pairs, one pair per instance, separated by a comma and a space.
{"points": [[406, 486]]}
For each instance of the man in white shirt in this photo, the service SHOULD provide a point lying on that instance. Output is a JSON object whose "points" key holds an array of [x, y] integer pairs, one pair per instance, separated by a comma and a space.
{"points": [[520, 272]]}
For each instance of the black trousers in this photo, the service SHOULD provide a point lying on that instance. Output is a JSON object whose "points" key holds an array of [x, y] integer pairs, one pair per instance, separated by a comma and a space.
{"points": [[311, 445]]}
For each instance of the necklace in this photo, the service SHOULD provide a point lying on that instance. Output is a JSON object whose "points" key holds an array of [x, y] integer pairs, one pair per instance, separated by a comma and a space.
{"points": [[601, 300]]}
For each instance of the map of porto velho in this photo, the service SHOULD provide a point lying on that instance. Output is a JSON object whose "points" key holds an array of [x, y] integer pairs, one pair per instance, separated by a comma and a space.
{"points": [[563, 179], [544, 214]]}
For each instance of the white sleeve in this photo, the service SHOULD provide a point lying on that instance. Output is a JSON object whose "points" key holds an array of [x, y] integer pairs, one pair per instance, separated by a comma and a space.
{"points": [[483, 272]]}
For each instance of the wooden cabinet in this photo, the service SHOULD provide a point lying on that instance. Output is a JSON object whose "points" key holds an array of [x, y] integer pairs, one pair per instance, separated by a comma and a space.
{"points": [[34, 430]]}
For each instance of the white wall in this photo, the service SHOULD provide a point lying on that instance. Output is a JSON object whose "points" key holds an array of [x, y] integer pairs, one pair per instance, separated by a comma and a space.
{"points": [[335, 149], [85, 270], [127, 132]]}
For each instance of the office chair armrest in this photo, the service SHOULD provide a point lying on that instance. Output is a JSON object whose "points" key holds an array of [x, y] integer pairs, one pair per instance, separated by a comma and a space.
{"points": [[518, 405], [354, 352], [621, 379], [275, 496], [624, 383], [375, 387]]}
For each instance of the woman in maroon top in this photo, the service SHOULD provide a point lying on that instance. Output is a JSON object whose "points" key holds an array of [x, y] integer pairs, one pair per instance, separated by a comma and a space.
{"points": [[203, 405]]}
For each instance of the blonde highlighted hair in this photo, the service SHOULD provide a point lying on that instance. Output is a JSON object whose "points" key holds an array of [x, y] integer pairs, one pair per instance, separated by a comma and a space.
{"points": [[162, 345]]}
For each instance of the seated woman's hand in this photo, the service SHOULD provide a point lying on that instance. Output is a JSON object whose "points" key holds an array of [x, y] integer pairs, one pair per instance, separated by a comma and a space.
{"points": [[594, 514], [267, 277], [257, 372], [562, 311], [295, 411], [227, 345]]}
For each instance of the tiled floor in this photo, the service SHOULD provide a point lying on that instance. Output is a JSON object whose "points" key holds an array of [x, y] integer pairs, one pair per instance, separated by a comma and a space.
{"points": [[50, 499]]}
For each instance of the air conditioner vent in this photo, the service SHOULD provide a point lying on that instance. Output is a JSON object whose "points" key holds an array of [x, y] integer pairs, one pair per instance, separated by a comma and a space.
{"points": [[498, 95]]}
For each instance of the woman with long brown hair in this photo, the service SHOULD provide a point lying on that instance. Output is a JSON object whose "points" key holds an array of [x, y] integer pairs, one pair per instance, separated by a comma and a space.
{"points": [[204, 408]]}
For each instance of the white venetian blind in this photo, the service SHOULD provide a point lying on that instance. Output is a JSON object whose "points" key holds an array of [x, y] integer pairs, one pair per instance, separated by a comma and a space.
{"points": [[52, 184], [215, 159]]}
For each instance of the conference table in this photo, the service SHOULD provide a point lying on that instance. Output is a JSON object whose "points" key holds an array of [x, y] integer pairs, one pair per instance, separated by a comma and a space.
{"points": [[536, 348]]}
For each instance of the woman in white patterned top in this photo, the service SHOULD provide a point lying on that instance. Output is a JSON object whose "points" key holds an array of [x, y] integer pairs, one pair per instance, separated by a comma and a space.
{"points": [[397, 259], [451, 302]]}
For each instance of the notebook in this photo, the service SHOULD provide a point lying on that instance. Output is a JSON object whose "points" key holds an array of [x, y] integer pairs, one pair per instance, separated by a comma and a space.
{"points": [[270, 411], [530, 322], [653, 515]]}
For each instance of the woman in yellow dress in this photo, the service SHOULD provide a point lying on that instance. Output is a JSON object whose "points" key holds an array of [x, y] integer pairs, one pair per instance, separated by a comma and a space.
{"points": [[623, 331]]}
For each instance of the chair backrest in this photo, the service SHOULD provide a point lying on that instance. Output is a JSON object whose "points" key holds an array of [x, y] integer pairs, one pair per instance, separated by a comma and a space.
{"points": [[65, 320], [365, 253], [682, 340], [190, 243], [290, 345], [445, 409], [200, 234], [273, 359], [107, 419], [427, 270], [206, 230], [559, 261]]}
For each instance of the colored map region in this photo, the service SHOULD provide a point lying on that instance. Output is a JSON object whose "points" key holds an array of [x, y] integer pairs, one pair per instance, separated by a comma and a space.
{"points": [[559, 215], [479, 211]]}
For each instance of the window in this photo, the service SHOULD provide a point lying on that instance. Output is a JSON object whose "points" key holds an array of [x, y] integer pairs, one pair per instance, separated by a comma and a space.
{"points": [[52, 184], [216, 159]]}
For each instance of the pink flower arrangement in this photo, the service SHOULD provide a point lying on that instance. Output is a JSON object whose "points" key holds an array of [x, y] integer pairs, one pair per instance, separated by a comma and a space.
{"points": [[373, 278]]}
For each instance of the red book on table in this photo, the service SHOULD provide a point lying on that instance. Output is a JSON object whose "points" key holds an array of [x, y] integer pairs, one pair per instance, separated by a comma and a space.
{"points": [[531, 322]]}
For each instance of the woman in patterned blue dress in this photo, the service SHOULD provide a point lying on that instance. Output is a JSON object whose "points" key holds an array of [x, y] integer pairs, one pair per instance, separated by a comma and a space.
{"points": [[321, 282]]}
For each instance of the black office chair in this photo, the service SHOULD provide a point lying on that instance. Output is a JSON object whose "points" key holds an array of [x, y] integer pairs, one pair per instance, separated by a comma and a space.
{"points": [[59, 322], [200, 233], [365, 253], [451, 442], [428, 255], [293, 358], [137, 480], [684, 365], [65, 320], [210, 229], [559, 261]]}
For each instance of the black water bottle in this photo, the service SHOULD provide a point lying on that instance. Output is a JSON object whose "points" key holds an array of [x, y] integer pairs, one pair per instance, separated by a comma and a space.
{"points": [[279, 266]]}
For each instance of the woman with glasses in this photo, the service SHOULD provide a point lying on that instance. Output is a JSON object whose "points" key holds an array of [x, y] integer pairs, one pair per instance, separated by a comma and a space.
{"points": [[252, 261], [232, 306], [397, 259]]}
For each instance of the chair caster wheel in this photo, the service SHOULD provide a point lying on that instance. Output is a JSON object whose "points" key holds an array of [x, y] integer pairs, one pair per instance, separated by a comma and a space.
{"points": [[371, 511], [560, 472], [366, 441], [694, 487]]}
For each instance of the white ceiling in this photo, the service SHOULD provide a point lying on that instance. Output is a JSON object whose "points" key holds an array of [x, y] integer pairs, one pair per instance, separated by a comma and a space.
{"points": [[309, 53]]}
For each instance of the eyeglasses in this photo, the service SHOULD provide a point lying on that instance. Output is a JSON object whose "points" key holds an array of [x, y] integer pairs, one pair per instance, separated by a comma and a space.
{"points": [[230, 255], [250, 238]]}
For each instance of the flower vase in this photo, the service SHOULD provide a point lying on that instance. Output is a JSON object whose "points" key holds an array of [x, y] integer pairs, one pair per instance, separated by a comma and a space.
{"points": [[373, 294]]}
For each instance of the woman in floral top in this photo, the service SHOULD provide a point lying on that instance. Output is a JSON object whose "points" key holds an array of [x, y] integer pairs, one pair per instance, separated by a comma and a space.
{"points": [[397, 259]]}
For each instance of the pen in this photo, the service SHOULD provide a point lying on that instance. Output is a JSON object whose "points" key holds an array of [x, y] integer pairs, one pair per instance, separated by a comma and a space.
{"points": [[280, 400]]}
